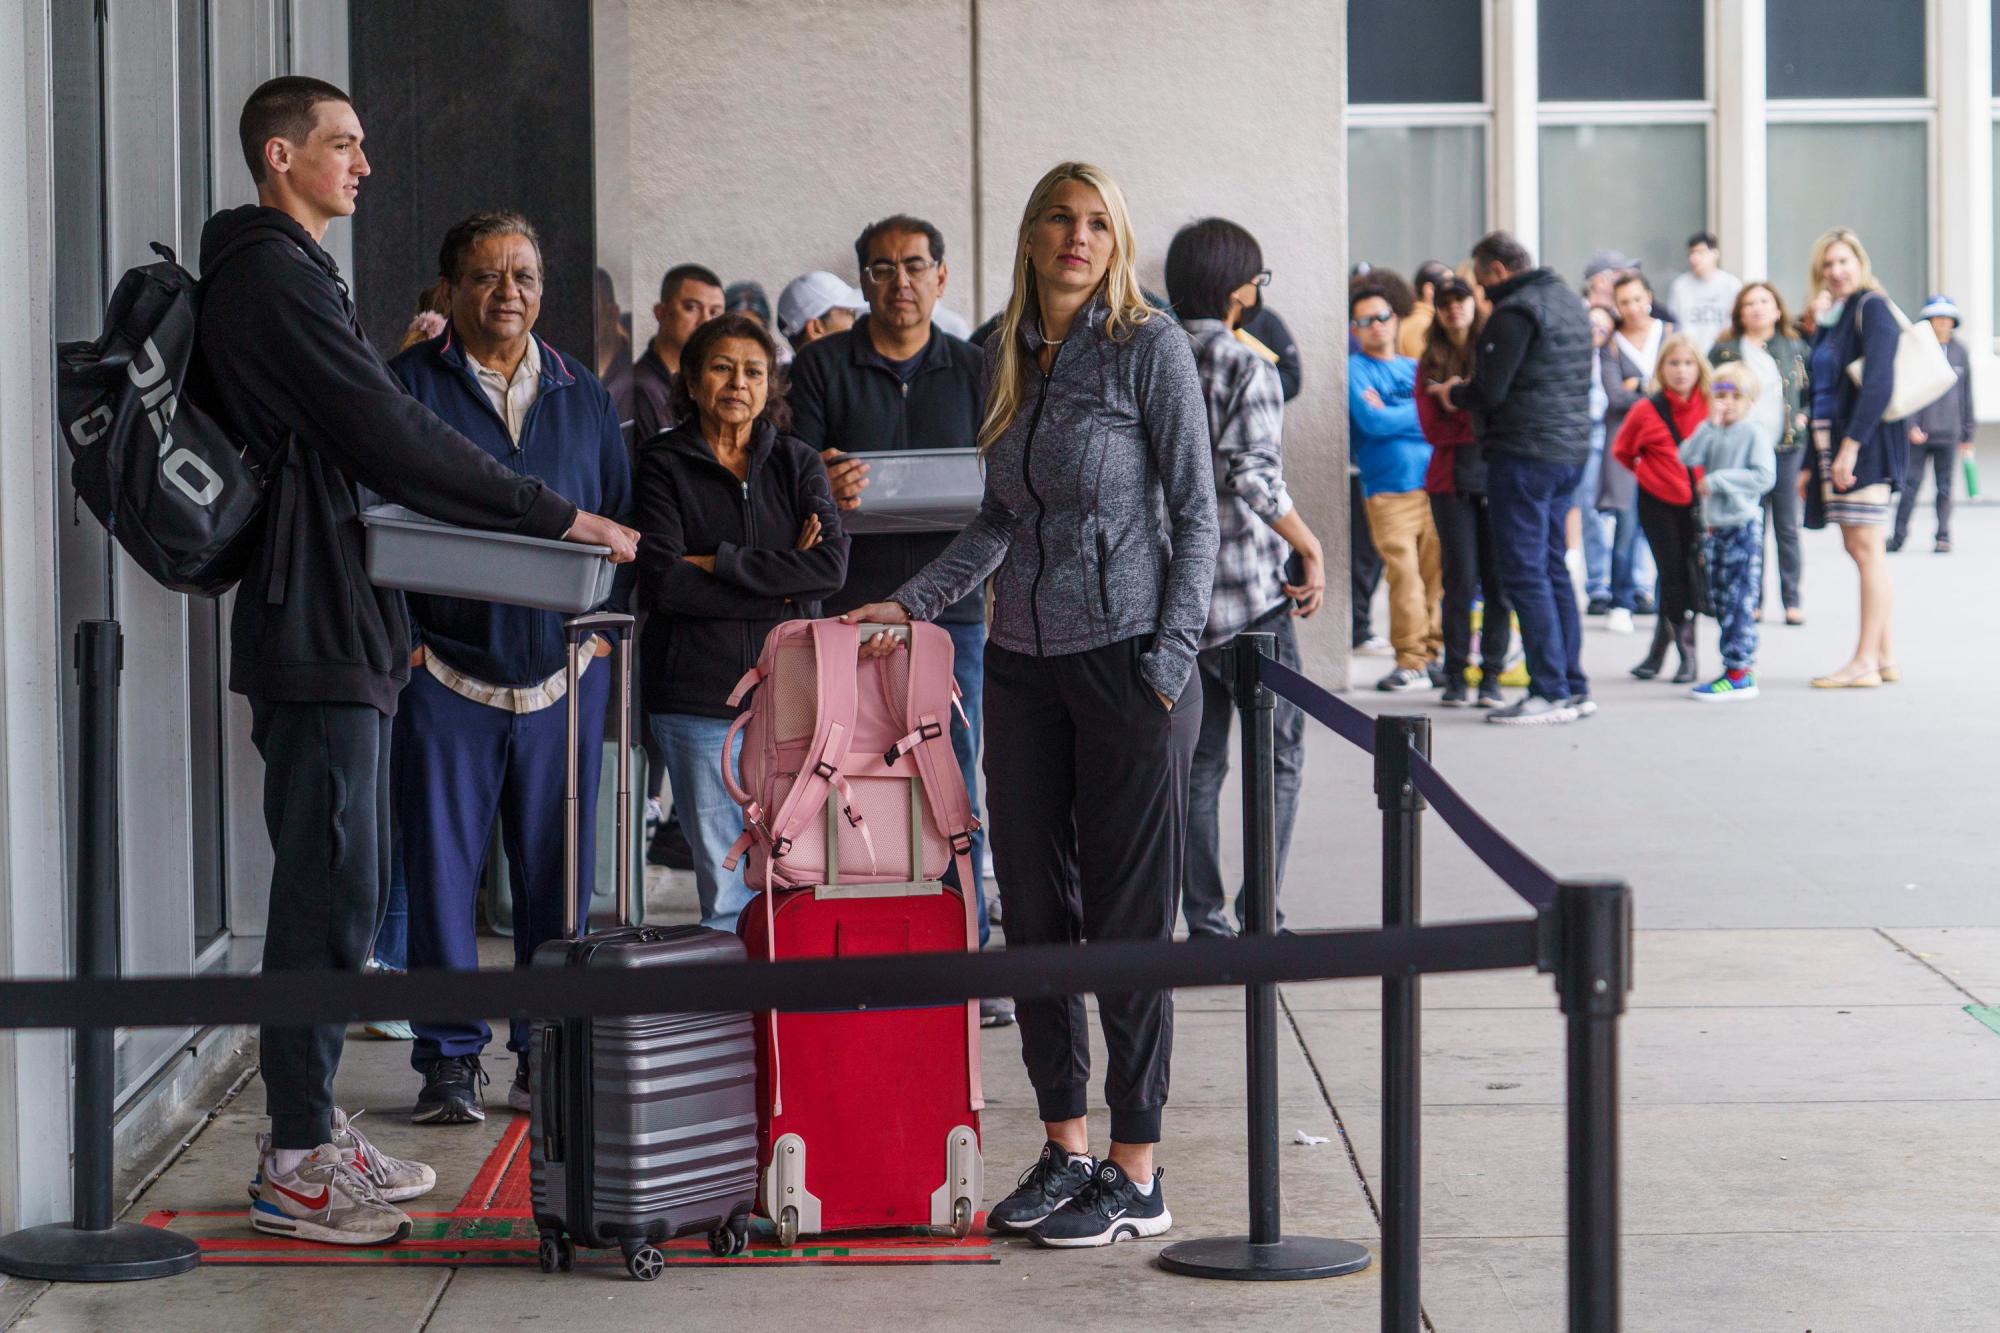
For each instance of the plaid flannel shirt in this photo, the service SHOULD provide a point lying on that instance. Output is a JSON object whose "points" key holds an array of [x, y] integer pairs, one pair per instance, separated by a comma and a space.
{"points": [[1246, 413]]}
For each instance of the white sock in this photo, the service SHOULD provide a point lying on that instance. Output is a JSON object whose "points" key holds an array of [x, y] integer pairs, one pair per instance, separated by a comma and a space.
{"points": [[1145, 1186], [285, 1161], [1083, 1160]]}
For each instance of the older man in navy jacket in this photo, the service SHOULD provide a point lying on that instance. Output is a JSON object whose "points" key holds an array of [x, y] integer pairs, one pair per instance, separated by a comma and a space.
{"points": [[481, 730]]}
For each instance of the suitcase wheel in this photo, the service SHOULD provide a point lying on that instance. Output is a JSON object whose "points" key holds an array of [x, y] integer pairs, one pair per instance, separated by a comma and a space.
{"points": [[556, 1252], [643, 1261], [731, 1238], [788, 1227], [961, 1218]]}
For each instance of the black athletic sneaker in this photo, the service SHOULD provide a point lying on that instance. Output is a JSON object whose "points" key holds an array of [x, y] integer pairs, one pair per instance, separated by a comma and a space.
{"points": [[1051, 1182], [519, 1098], [451, 1093], [1454, 693], [1109, 1209]]}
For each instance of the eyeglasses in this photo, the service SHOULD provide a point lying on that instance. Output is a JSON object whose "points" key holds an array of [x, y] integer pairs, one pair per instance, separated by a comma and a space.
{"points": [[1366, 320], [883, 271], [1263, 279]]}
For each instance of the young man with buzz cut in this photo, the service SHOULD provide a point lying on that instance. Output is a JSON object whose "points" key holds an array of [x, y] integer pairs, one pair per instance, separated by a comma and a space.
{"points": [[321, 652]]}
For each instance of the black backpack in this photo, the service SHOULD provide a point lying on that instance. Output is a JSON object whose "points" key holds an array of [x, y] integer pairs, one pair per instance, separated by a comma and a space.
{"points": [[175, 486]]}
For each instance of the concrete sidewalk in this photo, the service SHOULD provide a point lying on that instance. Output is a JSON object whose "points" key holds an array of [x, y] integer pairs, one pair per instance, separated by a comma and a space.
{"points": [[1805, 1090]]}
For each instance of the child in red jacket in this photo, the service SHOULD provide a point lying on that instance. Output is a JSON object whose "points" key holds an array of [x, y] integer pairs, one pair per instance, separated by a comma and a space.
{"points": [[1649, 443]]}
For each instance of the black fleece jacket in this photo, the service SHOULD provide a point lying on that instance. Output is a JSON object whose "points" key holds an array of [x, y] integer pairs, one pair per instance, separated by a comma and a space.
{"points": [[282, 357], [706, 629]]}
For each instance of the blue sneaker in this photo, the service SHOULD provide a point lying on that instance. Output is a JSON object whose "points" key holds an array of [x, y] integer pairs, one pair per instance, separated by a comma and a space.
{"points": [[1725, 690]]}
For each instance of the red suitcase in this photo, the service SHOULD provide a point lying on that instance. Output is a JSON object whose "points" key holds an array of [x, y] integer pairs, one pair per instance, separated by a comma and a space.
{"points": [[871, 1117]]}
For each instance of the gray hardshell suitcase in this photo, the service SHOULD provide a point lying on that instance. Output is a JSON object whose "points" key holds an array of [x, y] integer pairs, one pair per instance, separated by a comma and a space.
{"points": [[643, 1127]]}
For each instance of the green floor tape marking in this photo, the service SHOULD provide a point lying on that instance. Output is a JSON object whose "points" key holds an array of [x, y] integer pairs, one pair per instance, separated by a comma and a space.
{"points": [[1985, 1013]]}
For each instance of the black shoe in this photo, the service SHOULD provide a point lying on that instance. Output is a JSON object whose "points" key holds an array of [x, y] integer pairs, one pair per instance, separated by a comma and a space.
{"points": [[1454, 693], [1893, 545], [519, 1097], [669, 846], [1490, 695], [1656, 656], [1598, 606], [1684, 639], [451, 1092], [996, 1011], [1051, 1182], [1435, 671], [1404, 679], [1109, 1209], [1942, 547], [1643, 605]]}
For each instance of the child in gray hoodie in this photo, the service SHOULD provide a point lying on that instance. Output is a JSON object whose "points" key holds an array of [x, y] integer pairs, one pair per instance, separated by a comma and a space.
{"points": [[1733, 466]]}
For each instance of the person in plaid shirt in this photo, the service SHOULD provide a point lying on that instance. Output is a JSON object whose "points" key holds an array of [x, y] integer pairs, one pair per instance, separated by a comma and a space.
{"points": [[1214, 271]]}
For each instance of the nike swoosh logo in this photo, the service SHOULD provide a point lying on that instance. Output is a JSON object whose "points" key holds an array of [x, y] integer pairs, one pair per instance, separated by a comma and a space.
{"points": [[305, 1200], [1114, 1217]]}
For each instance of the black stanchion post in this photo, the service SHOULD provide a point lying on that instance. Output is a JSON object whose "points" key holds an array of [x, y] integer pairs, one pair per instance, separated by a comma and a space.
{"points": [[94, 1248], [1396, 738], [1593, 973], [1266, 1254]]}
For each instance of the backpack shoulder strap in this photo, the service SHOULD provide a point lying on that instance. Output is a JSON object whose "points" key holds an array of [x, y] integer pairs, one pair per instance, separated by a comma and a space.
{"points": [[1666, 412], [835, 646]]}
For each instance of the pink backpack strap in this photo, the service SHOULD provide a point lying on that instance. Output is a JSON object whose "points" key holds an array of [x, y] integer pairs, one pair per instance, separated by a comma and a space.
{"points": [[929, 745], [835, 649]]}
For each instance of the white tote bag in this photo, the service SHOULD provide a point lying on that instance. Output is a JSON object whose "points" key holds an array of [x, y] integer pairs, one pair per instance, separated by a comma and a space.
{"points": [[1922, 374]]}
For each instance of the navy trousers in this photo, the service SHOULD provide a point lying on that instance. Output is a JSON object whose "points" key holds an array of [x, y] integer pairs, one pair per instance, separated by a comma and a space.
{"points": [[458, 763]]}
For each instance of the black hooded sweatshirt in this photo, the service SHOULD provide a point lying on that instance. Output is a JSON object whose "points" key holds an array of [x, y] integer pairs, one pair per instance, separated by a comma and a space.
{"points": [[281, 356]]}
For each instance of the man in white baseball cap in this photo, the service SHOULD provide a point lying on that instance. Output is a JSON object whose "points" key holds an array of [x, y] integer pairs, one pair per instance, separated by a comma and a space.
{"points": [[815, 305]]}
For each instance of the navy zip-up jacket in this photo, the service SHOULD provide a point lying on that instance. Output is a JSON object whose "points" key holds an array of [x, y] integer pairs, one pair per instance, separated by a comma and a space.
{"points": [[706, 629], [572, 441]]}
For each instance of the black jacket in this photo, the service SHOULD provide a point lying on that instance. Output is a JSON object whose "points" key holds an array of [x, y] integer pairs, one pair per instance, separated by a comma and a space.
{"points": [[1531, 381], [281, 356], [845, 396], [706, 629]]}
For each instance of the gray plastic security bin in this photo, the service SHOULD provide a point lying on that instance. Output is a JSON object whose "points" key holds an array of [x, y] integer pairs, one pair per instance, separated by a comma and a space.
{"points": [[918, 490], [417, 554]]}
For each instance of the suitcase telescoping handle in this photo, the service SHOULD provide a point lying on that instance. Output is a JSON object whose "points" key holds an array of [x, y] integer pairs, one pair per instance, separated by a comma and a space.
{"points": [[578, 629]]}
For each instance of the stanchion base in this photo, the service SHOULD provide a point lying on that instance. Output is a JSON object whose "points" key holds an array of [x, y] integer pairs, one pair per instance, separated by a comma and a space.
{"points": [[128, 1252], [1238, 1259]]}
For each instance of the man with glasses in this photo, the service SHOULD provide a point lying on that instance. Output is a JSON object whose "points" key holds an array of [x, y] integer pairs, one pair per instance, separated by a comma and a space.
{"points": [[1389, 447], [893, 381]]}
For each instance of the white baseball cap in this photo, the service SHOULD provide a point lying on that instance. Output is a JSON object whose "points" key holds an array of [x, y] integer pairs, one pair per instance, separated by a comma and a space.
{"points": [[811, 296]]}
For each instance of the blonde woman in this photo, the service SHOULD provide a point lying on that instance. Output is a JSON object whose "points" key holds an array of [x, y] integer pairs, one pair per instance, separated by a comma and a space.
{"points": [[1856, 482], [1098, 529], [1649, 443]]}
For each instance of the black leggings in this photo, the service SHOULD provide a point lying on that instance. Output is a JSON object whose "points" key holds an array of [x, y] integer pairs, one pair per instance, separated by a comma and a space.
{"points": [[1669, 530], [1471, 567]]}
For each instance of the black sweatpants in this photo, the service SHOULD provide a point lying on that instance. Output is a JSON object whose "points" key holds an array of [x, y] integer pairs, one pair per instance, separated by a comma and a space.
{"points": [[1087, 783], [1471, 568], [326, 804], [1670, 532]]}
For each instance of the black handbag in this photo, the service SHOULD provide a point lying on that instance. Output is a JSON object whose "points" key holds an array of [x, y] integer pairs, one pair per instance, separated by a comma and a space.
{"points": [[1814, 516], [1699, 600]]}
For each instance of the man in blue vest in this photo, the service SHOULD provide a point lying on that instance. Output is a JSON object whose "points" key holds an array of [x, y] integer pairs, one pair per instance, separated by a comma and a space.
{"points": [[483, 726]]}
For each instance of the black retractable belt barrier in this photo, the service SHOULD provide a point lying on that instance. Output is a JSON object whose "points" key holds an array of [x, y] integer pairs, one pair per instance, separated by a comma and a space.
{"points": [[1398, 741], [94, 1247], [1593, 966], [1266, 1254]]}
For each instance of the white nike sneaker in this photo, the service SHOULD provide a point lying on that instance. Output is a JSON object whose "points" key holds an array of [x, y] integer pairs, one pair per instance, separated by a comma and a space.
{"points": [[396, 1177], [326, 1199]]}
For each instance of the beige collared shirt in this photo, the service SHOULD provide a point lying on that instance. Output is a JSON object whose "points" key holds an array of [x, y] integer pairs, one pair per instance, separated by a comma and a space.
{"points": [[512, 398]]}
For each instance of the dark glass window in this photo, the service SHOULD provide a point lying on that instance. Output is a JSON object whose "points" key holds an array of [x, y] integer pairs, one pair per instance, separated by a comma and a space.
{"points": [[1414, 51], [1592, 51], [1844, 48]]}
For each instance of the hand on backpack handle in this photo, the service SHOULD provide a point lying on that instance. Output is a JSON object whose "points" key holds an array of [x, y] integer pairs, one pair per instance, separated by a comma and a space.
{"points": [[890, 622]]}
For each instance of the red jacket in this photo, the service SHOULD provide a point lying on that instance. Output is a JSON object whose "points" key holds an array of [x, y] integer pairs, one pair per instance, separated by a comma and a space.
{"points": [[1447, 429], [1645, 446]]}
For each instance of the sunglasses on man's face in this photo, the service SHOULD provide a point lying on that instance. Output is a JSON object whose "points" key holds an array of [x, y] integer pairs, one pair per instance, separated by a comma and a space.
{"points": [[1366, 320]]}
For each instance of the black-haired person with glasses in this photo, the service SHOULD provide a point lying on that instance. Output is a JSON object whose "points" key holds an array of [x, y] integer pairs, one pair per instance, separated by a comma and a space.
{"points": [[894, 381]]}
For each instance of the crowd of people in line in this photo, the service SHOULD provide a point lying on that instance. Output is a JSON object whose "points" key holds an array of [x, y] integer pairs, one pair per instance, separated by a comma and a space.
{"points": [[1700, 431], [1135, 518]]}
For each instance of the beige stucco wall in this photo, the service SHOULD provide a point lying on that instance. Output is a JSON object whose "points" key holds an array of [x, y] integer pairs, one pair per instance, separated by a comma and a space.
{"points": [[763, 134]]}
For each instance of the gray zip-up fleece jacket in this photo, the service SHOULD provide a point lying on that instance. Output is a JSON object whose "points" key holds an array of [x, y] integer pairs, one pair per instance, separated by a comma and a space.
{"points": [[1098, 520]]}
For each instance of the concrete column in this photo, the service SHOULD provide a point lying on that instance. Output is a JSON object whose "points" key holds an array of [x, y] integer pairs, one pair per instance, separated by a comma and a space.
{"points": [[1741, 209], [1962, 172], [1517, 149], [34, 1066]]}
